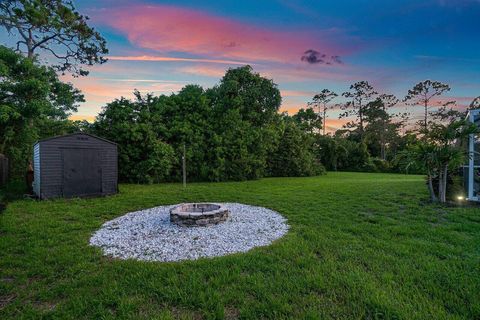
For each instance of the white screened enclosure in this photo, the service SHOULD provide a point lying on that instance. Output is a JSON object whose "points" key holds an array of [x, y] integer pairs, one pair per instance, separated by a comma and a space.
{"points": [[472, 168]]}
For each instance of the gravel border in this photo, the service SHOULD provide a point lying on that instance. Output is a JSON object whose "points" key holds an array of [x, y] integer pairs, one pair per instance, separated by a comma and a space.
{"points": [[148, 235]]}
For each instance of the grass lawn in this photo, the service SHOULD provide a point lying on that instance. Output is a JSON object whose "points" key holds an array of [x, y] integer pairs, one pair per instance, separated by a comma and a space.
{"points": [[360, 246]]}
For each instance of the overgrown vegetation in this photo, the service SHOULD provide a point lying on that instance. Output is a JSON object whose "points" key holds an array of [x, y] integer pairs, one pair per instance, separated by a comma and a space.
{"points": [[232, 131]]}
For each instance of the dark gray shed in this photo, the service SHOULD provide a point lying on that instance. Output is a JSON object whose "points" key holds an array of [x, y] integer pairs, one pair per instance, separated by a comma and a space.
{"points": [[75, 165]]}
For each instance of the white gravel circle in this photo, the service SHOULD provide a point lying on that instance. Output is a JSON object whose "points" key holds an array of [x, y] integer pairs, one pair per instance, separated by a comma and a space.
{"points": [[148, 234]]}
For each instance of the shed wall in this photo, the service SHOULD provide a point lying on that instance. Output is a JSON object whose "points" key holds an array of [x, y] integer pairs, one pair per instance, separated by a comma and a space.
{"points": [[51, 163], [36, 169]]}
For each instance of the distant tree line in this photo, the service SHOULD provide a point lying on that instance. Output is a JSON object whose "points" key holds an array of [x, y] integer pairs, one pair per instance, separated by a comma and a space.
{"points": [[233, 131]]}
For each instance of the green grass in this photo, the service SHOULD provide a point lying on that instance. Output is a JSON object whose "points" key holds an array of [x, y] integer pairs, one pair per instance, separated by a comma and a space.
{"points": [[361, 246]]}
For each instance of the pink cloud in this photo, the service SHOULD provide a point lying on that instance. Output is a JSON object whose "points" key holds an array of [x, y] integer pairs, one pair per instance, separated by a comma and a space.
{"points": [[461, 103], [96, 88], [297, 93], [174, 29], [173, 59], [280, 72], [99, 92], [291, 73], [203, 70]]}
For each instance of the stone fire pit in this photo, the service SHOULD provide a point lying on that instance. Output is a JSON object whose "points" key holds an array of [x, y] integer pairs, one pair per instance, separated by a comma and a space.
{"points": [[198, 214]]}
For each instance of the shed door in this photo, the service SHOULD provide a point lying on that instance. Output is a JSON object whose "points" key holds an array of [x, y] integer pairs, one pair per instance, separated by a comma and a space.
{"points": [[82, 172]]}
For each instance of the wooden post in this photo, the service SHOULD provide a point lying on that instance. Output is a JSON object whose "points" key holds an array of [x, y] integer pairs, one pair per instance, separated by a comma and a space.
{"points": [[184, 168]]}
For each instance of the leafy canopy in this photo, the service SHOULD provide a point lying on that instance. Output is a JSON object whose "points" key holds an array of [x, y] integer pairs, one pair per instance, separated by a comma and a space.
{"points": [[30, 96], [55, 27]]}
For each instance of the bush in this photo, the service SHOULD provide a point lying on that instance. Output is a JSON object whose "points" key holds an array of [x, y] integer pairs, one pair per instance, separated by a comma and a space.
{"points": [[380, 165], [142, 156], [293, 157]]}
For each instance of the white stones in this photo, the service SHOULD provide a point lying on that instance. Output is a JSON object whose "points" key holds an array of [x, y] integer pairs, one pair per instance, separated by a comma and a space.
{"points": [[149, 235]]}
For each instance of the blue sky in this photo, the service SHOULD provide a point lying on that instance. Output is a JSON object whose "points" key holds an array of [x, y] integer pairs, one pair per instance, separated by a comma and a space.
{"points": [[392, 44]]}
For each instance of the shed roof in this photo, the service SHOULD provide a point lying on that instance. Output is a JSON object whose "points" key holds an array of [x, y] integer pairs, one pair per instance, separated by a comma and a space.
{"points": [[76, 133]]}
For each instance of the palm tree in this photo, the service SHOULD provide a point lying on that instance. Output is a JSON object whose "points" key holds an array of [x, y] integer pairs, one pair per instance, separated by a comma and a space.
{"points": [[438, 153], [421, 156]]}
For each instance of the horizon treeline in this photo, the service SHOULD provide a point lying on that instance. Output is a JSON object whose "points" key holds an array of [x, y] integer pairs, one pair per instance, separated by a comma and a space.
{"points": [[233, 131]]}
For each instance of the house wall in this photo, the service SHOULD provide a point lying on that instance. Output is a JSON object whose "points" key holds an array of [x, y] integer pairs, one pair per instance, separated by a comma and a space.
{"points": [[51, 163]]}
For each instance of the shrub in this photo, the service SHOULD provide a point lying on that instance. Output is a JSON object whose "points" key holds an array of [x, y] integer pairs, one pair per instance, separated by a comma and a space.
{"points": [[293, 156], [380, 165]]}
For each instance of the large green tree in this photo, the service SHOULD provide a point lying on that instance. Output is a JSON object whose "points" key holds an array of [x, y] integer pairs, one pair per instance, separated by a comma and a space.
{"points": [[423, 93], [30, 96], [381, 131], [359, 95], [143, 156], [294, 156], [185, 119], [245, 107], [321, 102], [328, 150], [56, 28], [308, 120]]}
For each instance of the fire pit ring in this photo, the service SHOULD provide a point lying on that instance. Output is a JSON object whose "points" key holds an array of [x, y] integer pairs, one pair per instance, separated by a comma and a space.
{"points": [[198, 214]]}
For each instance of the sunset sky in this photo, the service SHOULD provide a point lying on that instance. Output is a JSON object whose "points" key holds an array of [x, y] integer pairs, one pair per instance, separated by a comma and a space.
{"points": [[159, 46]]}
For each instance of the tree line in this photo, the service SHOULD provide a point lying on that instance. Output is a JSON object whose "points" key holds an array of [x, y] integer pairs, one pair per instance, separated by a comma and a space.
{"points": [[233, 131]]}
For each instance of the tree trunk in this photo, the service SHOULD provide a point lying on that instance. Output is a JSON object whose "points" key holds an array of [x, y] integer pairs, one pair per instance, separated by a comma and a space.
{"points": [[30, 52], [360, 116], [443, 198], [324, 119], [426, 115], [433, 197], [382, 148], [440, 185]]}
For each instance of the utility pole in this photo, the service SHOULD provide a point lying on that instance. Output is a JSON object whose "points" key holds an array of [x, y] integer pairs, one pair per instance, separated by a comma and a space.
{"points": [[184, 167]]}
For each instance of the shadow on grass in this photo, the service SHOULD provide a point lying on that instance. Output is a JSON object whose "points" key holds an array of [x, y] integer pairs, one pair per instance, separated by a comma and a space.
{"points": [[13, 190]]}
